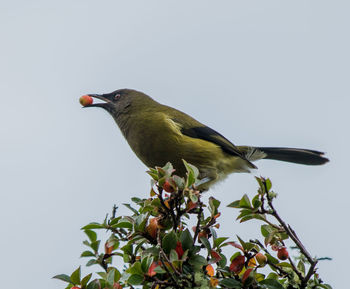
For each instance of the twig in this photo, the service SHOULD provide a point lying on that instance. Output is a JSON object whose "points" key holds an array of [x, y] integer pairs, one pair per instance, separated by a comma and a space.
{"points": [[291, 233], [166, 259], [198, 222], [166, 208]]}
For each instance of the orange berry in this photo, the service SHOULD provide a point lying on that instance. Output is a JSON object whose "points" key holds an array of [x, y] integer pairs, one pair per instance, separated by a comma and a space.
{"points": [[210, 270], [86, 100], [152, 228], [261, 258], [108, 248]]}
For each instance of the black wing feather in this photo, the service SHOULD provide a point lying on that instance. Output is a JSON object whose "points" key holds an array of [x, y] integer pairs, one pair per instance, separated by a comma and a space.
{"points": [[208, 134]]}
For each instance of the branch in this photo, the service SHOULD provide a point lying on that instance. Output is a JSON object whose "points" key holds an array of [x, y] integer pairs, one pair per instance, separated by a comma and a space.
{"points": [[199, 215], [291, 233]]}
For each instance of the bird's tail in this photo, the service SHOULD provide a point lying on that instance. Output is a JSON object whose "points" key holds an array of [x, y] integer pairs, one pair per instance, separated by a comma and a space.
{"points": [[293, 155]]}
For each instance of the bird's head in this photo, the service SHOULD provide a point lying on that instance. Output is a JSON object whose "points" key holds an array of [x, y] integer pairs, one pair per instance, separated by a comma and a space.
{"points": [[121, 101]]}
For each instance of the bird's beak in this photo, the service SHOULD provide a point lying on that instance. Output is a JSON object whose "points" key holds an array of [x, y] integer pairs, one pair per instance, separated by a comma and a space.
{"points": [[99, 104]]}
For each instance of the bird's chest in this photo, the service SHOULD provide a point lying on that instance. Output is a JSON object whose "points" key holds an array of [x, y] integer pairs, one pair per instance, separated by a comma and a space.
{"points": [[153, 142]]}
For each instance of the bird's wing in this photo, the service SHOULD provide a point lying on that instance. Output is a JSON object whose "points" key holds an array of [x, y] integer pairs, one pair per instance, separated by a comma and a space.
{"points": [[208, 134], [192, 128]]}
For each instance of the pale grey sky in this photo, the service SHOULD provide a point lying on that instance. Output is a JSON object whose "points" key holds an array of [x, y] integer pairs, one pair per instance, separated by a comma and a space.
{"points": [[268, 73]]}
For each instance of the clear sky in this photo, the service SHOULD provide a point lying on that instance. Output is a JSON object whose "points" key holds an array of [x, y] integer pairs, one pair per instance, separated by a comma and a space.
{"points": [[268, 73]]}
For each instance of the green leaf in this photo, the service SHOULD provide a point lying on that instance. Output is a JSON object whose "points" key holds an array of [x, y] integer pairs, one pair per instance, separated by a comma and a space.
{"points": [[180, 182], [128, 249], [273, 276], [168, 169], [206, 243], [154, 176], [325, 286], [213, 206], [123, 223], [173, 256], [135, 279], [91, 262], [153, 251], [231, 283], [110, 277], [63, 277], [223, 261], [131, 208], [284, 264], [95, 284], [256, 202], [75, 277], [266, 230], [301, 267], [271, 284], [245, 202], [91, 234], [219, 241], [241, 241], [271, 259], [140, 222], [169, 242], [159, 270], [186, 240], [268, 184], [93, 226], [95, 245], [193, 197], [135, 269], [198, 260], [192, 174], [85, 280], [136, 200], [260, 182], [145, 263], [234, 204], [114, 221], [244, 212], [87, 254]]}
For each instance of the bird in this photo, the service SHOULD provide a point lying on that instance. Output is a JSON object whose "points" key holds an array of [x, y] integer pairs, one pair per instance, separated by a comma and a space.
{"points": [[159, 134]]}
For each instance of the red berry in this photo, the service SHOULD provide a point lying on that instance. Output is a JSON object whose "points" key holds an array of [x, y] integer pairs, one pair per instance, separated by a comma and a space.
{"points": [[86, 100], [282, 254], [167, 187]]}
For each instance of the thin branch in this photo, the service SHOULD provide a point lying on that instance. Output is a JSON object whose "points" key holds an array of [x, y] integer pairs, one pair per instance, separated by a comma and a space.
{"points": [[291, 233], [199, 215], [171, 211], [166, 259]]}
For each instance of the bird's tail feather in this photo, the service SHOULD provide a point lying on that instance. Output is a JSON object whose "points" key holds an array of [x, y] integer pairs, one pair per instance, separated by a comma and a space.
{"points": [[293, 155]]}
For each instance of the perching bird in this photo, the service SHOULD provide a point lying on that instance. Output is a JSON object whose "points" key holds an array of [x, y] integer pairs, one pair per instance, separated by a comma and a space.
{"points": [[159, 134]]}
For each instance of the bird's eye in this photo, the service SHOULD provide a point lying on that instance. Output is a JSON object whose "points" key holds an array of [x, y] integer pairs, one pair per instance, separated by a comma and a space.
{"points": [[117, 96]]}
